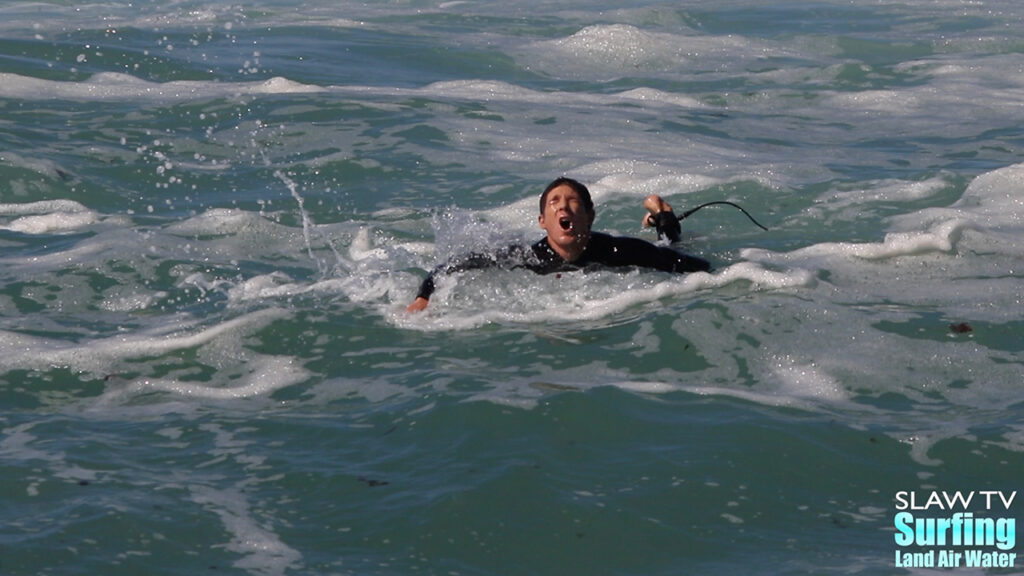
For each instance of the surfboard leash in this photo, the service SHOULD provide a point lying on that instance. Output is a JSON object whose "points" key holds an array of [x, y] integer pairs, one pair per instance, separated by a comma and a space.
{"points": [[667, 223]]}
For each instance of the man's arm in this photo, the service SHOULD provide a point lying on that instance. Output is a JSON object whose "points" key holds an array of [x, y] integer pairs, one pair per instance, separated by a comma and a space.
{"points": [[420, 303], [472, 261], [686, 263], [626, 251]]}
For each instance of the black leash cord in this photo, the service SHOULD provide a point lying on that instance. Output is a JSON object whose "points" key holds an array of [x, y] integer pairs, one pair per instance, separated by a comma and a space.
{"points": [[726, 202]]}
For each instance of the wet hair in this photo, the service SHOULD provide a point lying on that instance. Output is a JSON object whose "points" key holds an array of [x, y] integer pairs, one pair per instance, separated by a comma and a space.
{"points": [[588, 203]]}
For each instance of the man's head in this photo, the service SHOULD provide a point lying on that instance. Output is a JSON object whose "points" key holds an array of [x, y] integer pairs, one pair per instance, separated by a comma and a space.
{"points": [[580, 189], [566, 214]]}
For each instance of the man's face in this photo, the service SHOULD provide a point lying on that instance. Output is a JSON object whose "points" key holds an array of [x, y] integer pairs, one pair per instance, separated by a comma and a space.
{"points": [[566, 220]]}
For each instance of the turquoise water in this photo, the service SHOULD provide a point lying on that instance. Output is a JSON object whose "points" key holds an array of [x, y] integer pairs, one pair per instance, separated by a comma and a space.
{"points": [[213, 215]]}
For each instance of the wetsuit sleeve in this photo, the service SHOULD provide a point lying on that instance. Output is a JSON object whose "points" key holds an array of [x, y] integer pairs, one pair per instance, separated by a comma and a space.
{"points": [[636, 252], [507, 258], [426, 287]]}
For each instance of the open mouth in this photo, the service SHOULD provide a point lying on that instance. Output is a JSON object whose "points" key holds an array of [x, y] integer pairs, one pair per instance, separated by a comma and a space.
{"points": [[565, 222]]}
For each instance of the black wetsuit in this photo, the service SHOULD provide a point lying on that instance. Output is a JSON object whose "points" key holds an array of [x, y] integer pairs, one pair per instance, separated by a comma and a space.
{"points": [[601, 250]]}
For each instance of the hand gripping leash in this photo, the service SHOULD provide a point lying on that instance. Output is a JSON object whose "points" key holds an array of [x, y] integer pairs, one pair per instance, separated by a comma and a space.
{"points": [[667, 223]]}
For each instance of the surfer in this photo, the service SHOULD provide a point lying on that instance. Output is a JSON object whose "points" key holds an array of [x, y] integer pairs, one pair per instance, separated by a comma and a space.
{"points": [[567, 214]]}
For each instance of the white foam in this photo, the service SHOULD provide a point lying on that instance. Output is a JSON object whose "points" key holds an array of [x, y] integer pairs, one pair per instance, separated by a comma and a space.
{"points": [[801, 380], [648, 387], [218, 221], [262, 550], [51, 223], [990, 208], [604, 51], [104, 356], [48, 217], [495, 91], [574, 297], [260, 376], [277, 285], [115, 86], [994, 202], [128, 299], [941, 238], [629, 183], [893, 191]]}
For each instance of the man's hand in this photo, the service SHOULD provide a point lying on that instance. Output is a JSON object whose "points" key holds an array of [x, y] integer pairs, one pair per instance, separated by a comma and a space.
{"points": [[419, 304], [654, 204], [660, 216]]}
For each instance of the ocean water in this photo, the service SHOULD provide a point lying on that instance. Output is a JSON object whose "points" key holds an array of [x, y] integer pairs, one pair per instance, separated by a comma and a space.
{"points": [[213, 214]]}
